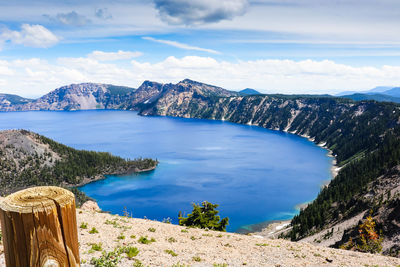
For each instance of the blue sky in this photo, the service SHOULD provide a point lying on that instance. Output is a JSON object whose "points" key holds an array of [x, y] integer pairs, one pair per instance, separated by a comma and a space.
{"points": [[286, 46]]}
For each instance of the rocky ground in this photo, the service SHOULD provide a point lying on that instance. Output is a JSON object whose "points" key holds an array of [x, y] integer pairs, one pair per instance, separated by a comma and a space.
{"points": [[163, 244]]}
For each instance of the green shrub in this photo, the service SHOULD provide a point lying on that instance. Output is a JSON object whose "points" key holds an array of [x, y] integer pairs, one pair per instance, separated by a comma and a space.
{"points": [[171, 252], [112, 222], [137, 263], [107, 259], [171, 240], [151, 229], [83, 225], [145, 240], [93, 231], [130, 251], [96, 247], [196, 258], [205, 217]]}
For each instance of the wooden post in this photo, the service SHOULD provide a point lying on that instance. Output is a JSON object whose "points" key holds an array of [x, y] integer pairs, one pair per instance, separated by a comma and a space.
{"points": [[39, 228]]}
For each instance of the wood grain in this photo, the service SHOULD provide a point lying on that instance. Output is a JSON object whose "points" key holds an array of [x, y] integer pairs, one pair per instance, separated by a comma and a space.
{"points": [[39, 228]]}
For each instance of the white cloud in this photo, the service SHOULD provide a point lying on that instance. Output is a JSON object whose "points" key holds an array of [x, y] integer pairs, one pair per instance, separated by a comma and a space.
{"points": [[4, 69], [181, 45], [110, 56], [30, 35], [37, 77], [191, 12], [305, 21], [318, 21], [283, 76]]}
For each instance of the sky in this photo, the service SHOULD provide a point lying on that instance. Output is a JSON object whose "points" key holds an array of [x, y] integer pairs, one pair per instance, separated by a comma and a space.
{"points": [[274, 46]]}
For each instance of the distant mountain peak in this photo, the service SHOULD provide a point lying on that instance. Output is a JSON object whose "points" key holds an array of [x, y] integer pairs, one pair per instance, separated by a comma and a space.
{"points": [[188, 81], [395, 91], [148, 83], [197, 83], [249, 91]]}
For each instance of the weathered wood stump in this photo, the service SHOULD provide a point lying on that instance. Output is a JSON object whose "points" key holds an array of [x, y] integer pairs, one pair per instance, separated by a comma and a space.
{"points": [[39, 228]]}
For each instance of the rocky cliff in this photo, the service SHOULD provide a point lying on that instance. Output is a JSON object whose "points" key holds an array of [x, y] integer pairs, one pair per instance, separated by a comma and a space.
{"points": [[8, 102], [74, 97], [86, 96]]}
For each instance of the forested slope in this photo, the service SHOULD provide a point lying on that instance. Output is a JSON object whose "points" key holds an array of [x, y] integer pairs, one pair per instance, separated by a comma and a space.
{"points": [[28, 159]]}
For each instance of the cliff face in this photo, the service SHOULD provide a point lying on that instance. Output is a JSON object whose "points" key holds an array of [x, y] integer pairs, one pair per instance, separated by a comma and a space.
{"points": [[336, 123], [75, 97], [7, 101], [147, 93]]}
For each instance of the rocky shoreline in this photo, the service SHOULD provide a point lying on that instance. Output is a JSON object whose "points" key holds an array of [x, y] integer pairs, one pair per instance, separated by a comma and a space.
{"points": [[276, 227]]}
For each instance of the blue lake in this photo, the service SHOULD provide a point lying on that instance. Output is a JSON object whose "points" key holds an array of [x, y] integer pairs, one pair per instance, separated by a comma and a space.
{"points": [[254, 174]]}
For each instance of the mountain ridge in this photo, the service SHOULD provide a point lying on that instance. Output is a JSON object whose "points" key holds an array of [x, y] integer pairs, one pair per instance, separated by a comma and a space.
{"points": [[376, 97], [87, 96], [380, 93], [75, 97]]}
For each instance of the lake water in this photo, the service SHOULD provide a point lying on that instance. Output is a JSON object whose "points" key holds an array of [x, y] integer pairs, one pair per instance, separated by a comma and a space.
{"points": [[254, 174]]}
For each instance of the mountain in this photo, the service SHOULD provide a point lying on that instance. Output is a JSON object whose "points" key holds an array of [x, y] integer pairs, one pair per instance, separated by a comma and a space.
{"points": [[378, 89], [7, 101], [348, 93], [187, 93], [75, 97], [395, 92], [249, 91], [28, 159], [86, 96], [376, 97]]}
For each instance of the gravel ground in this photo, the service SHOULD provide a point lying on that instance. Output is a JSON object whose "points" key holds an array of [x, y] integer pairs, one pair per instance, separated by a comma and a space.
{"points": [[196, 247]]}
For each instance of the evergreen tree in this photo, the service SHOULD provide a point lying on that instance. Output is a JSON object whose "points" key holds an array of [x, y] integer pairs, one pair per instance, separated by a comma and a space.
{"points": [[205, 216]]}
